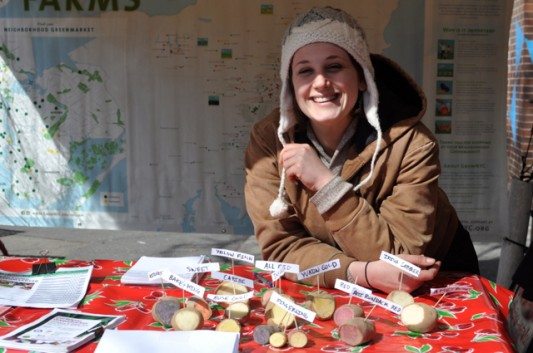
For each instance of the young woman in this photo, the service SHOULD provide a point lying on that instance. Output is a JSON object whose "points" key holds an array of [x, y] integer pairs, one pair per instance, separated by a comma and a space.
{"points": [[347, 166]]}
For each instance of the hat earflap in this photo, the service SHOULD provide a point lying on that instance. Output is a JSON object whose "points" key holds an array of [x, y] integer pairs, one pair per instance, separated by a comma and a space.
{"points": [[371, 111]]}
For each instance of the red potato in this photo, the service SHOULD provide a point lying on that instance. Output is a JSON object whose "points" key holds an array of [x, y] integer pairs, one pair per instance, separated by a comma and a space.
{"points": [[357, 331], [201, 305], [265, 299], [346, 312], [419, 317]]}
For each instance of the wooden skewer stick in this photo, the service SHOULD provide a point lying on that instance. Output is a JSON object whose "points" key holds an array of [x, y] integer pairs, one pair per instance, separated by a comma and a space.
{"points": [[442, 296], [367, 315], [351, 296], [163, 287], [233, 273], [401, 280]]}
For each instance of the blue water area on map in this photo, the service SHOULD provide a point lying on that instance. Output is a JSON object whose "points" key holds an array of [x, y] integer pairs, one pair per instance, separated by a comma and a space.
{"points": [[116, 182], [406, 43], [189, 215], [236, 217], [52, 51]]}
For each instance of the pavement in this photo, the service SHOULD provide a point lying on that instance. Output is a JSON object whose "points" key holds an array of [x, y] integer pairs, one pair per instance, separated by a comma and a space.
{"points": [[90, 244]]}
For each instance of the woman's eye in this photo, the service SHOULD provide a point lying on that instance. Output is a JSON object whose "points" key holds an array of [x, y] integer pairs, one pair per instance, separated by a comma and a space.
{"points": [[304, 71], [334, 67]]}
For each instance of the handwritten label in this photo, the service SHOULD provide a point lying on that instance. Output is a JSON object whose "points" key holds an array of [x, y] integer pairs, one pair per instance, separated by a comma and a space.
{"points": [[292, 308], [403, 265], [207, 267], [374, 299], [233, 278], [184, 284], [448, 289], [156, 274], [273, 266], [350, 288], [233, 255], [231, 298], [277, 274], [324, 267]]}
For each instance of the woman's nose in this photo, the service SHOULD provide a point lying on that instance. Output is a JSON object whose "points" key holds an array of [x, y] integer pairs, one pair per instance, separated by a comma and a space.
{"points": [[320, 81]]}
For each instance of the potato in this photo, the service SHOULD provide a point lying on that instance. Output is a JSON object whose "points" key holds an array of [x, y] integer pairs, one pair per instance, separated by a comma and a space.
{"points": [[230, 288], [265, 299], [187, 319], [278, 339], [419, 317], [400, 297], [357, 331], [279, 316], [346, 312], [297, 339], [322, 303], [201, 305], [237, 311], [164, 309], [262, 333], [228, 325]]}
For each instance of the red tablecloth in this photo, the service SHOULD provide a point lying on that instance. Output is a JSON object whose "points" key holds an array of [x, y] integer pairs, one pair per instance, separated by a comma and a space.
{"points": [[472, 321]]}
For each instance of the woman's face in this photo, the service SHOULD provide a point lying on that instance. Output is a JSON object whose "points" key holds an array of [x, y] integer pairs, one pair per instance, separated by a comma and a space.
{"points": [[326, 83]]}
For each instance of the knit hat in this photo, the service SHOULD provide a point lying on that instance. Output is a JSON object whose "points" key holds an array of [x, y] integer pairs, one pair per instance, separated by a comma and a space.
{"points": [[325, 25]]}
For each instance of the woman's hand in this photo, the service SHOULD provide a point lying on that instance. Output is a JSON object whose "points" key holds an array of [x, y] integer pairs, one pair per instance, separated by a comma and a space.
{"points": [[386, 278], [302, 163]]}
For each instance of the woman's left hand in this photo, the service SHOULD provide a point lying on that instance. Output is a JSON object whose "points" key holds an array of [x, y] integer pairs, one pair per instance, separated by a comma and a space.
{"points": [[302, 163]]}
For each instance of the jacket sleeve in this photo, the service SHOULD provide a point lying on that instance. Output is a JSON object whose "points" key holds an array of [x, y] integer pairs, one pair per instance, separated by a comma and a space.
{"points": [[402, 221], [283, 240]]}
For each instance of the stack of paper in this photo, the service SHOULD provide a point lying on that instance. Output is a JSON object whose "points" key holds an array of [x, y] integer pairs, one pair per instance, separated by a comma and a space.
{"points": [[62, 289], [59, 331], [138, 273]]}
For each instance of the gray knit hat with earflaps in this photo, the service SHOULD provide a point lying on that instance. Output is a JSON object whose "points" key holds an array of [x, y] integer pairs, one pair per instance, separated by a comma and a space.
{"points": [[325, 25]]}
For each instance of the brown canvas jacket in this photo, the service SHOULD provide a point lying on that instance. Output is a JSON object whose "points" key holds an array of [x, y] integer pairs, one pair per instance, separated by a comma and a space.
{"points": [[401, 210]]}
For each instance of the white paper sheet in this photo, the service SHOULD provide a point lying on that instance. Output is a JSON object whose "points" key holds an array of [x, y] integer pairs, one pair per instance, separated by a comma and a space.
{"points": [[140, 341]]}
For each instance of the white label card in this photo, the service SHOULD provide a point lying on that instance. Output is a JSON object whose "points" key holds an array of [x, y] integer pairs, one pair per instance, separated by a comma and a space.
{"points": [[448, 289], [233, 255], [292, 308], [324, 267], [273, 266], [374, 299], [233, 278], [207, 267], [184, 284], [228, 298], [156, 274], [403, 265], [350, 288], [277, 274]]}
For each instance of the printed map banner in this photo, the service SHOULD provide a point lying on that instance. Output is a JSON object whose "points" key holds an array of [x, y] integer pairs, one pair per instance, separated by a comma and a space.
{"points": [[134, 114]]}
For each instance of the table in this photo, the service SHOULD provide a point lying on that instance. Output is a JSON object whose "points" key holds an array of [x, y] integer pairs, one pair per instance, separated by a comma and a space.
{"points": [[472, 321]]}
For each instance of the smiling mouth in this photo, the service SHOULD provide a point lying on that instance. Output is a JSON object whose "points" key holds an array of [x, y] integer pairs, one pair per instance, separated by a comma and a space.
{"points": [[325, 99]]}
